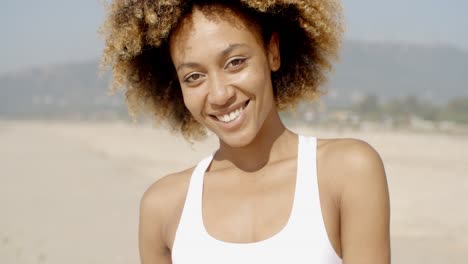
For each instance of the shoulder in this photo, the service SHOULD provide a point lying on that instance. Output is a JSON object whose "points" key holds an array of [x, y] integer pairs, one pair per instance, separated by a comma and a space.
{"points": [[363, 199], [349, 148], [163, 201], [349, 162], [159, 206], [166, 191], [353, 155]]}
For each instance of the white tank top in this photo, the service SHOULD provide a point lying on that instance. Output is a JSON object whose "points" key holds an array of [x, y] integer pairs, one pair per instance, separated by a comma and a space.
{"points": [[303, 240]]}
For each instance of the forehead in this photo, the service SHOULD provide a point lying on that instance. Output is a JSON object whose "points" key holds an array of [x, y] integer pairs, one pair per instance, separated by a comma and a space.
{"points": [[214, 26]]}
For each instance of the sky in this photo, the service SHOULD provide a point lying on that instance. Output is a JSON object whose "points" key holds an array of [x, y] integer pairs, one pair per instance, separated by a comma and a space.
{"points": [[35, 33]]}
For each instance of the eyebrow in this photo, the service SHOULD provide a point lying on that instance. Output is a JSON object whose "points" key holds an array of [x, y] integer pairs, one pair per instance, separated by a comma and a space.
{"points": [[224, 53], [188, 65], [231, 48]]}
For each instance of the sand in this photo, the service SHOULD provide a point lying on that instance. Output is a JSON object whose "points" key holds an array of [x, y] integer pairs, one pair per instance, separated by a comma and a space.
{"points": [[69, 191]]}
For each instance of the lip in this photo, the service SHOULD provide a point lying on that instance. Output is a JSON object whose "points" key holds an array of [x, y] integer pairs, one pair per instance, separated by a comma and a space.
{"points": [[229, 109], [235, 123]]}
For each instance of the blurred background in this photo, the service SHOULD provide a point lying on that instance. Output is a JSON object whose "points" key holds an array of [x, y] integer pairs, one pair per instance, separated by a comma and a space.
{"points": [[73, 166]]}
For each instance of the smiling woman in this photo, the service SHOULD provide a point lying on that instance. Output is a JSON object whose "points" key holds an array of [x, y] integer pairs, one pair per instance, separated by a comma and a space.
{"points": [[266, 195], [226, 84]]}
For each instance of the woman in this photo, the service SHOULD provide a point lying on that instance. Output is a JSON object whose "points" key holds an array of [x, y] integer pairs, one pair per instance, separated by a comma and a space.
{"points": [[266, 195]]}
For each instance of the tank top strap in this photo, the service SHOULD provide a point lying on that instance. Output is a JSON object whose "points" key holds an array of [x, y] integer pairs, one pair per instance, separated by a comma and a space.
{"points": [[191, 222], [307, 168], [306, 201], [308, 213]]}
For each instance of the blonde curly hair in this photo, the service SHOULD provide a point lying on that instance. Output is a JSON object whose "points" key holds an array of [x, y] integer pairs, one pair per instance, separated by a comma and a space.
{"points": [[136, 46]]}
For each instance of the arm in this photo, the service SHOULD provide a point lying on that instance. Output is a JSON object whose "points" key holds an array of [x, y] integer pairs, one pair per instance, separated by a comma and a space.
{"points": [[364, 207], [153, 249]]}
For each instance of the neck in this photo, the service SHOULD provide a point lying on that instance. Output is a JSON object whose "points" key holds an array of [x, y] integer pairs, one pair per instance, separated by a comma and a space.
{"points": [[272, 143]]}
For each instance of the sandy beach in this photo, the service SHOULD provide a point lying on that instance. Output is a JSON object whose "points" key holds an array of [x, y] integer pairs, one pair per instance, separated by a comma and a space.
{"points": [[70, 191]]}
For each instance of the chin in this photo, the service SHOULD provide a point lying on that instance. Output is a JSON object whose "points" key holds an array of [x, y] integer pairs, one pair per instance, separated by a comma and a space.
{"points": [[237, 140]]}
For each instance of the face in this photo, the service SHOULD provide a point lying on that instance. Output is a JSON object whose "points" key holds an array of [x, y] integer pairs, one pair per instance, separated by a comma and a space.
{"points": [[224, 70]]}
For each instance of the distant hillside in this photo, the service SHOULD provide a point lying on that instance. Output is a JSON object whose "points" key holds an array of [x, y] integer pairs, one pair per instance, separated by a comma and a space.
{"points": [[435, 73], [71, 90]]}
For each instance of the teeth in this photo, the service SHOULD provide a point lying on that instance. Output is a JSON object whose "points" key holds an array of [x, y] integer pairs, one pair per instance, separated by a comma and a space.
{"points": [[230, 116]]}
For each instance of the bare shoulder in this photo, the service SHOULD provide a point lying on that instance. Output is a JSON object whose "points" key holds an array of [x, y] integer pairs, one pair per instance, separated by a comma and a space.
{"points": [[361, 188], [350, 156], [163, 201], [167, 188], [348, 162], [349, 148]]}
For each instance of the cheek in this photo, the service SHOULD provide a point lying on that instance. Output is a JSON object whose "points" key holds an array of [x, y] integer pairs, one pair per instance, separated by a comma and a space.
{"points": [[256, 79], [192, 101]]}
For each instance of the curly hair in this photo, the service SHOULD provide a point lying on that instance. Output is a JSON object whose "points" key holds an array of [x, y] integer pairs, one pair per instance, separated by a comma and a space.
{"points": [[136, 46]]}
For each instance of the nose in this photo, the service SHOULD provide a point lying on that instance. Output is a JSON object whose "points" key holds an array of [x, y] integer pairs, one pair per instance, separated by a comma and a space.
{"points": [[219, 92]]}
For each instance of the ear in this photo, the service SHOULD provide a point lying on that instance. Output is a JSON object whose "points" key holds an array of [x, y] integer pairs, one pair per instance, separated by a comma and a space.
{"points": [[273, 52]]}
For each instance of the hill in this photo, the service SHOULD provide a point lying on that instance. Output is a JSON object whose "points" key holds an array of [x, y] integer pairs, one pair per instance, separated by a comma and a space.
{"points": [[432, 73]]}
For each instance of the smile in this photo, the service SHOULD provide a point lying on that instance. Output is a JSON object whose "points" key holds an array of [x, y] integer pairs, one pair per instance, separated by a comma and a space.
{"points": [[230, 116]]}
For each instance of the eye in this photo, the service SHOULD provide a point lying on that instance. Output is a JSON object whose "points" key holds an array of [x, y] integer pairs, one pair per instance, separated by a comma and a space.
{"points": [[193, 77], [235, 63]]}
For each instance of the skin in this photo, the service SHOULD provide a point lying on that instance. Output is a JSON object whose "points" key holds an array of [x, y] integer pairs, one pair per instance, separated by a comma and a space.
{"points": [[253, 172]]}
